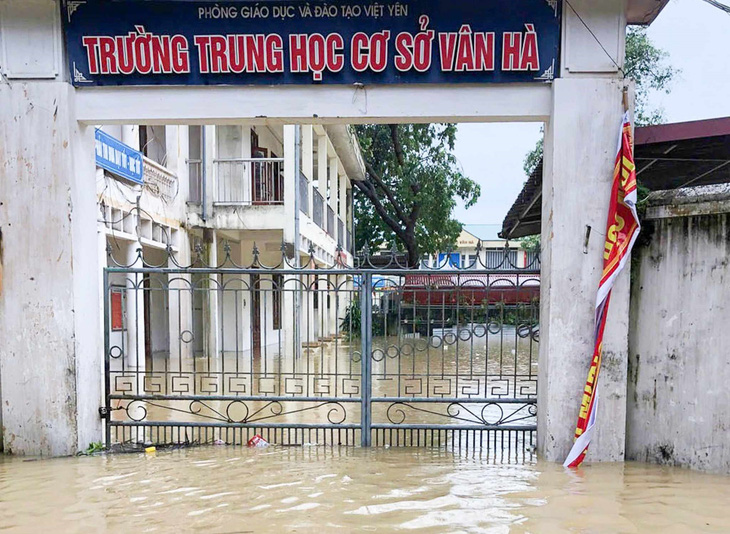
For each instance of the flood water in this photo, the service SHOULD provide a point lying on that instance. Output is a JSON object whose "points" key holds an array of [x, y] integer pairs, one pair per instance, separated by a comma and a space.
{"points": [[321, 489]]}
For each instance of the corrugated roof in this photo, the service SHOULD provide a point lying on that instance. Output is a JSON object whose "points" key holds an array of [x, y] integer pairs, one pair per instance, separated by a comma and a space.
{"points": [[524, 217], [668, 156]]}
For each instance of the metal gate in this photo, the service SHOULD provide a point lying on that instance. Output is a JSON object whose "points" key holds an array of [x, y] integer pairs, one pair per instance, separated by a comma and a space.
{"points": [[373, 355]]}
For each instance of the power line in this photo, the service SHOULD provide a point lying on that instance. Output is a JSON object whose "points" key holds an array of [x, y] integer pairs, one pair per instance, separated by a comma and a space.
{"points": [[718, 5]]}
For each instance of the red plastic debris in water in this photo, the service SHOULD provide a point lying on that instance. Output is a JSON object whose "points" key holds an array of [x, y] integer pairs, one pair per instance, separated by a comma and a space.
{"points": [[258, 441]]}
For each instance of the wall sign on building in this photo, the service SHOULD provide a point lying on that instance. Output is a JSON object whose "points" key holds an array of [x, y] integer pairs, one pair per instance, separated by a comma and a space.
{"points": [[196, 42], [118, 158]]}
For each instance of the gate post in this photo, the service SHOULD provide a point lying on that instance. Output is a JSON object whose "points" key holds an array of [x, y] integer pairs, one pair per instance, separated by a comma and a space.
{"points": [[366, 345], [577, 181], [106, 411]]}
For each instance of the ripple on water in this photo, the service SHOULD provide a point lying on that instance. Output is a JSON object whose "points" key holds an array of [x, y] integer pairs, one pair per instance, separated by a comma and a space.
{"points": [[314, 489]]}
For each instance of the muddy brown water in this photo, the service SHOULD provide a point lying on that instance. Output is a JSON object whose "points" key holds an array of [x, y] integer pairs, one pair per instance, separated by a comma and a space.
{"points": [[321, 489]]}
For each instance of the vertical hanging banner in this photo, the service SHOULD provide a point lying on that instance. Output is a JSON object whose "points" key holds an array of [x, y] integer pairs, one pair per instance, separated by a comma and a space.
{"points": [[622, 229], [272, 42]]}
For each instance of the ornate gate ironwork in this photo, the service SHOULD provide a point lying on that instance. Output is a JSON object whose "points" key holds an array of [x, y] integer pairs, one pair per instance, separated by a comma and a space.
{"points": [[450, 354]]}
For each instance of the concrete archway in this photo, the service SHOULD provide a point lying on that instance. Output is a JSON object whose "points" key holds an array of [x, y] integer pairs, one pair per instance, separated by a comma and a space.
{"points": [[50, 323]]}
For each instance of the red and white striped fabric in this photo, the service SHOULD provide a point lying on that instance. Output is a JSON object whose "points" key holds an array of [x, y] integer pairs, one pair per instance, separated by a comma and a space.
{"points": [[622, 229]]}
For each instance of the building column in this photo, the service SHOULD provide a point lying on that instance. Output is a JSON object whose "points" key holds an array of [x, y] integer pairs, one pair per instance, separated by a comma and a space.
{"points": [[290, 202], [322, 162], [134, 344], [130, 135], [308, 162], [580, 145], [51, 354], [334, 185], [292, 316], [309, 319], [322, 314], [210, 151], [180, 303], [212, 307], [342, 209]]}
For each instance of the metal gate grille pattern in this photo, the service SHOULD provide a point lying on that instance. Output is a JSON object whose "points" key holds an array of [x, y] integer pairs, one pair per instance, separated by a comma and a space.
{"points": [[201, 354]]}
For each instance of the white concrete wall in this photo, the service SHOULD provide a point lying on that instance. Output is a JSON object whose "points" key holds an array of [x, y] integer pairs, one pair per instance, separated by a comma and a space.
{"points": [[679, 365], [50, 354]]}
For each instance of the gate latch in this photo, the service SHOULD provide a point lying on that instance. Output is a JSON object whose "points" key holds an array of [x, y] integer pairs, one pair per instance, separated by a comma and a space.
{"points": [[103, 412]]}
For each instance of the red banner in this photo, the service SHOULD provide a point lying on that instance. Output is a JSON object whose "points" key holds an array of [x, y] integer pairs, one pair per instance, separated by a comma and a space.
{"points": [[622, 229]]}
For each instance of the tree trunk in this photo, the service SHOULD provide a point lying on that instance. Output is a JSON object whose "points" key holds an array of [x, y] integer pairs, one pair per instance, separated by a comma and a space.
{"points": [[411, 247]]}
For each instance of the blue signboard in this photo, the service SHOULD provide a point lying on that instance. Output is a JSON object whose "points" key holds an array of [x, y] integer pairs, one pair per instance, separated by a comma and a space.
{"points": [[118, 158], [450, 260], [198, 42]]}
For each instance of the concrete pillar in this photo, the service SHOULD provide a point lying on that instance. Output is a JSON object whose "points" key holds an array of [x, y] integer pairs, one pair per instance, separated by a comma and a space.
{"points": [[343, 299], [51, 351], [308, 161], [290, 201], [342, 209], [212, 314], [322, 314], [334, 185], [333, 309], [134, 343], [580, 144], [309, 319], [322, 160], [292, 319], [180, 303], [211, 153], [130, 135]]}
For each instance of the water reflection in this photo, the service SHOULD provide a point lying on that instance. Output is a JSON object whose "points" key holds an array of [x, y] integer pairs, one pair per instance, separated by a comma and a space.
{"points": [[308, 489]]}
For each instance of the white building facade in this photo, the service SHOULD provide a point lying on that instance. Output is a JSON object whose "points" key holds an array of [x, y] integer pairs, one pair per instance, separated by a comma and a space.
{"points": [[225, 196], [479, 247]]}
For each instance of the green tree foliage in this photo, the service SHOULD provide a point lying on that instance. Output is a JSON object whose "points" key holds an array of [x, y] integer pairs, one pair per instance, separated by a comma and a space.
{"points": [[413, 182], [531, 243], [648, 66], [534, 156]]}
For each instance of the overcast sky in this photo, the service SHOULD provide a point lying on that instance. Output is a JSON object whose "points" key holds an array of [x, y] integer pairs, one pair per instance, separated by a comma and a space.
{"points": [[697, 38]]}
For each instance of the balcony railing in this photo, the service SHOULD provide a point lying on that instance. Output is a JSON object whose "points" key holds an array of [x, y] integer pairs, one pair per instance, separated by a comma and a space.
{"points": [[257, 181], [318, 208], [303, 194], [330, 221], [158, 180], [195, 181]]}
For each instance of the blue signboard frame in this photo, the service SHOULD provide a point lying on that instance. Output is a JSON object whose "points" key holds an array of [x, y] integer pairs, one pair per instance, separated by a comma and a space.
{"points": [[449, 260], [274, 42], [118, 158]]}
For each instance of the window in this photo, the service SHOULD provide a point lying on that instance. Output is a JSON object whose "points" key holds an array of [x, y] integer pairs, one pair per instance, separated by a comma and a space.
{"points": [[278, 282]]}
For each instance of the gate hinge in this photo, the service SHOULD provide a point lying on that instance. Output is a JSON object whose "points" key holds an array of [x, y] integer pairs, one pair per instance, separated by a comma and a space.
{"points": [[103, 412]]}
